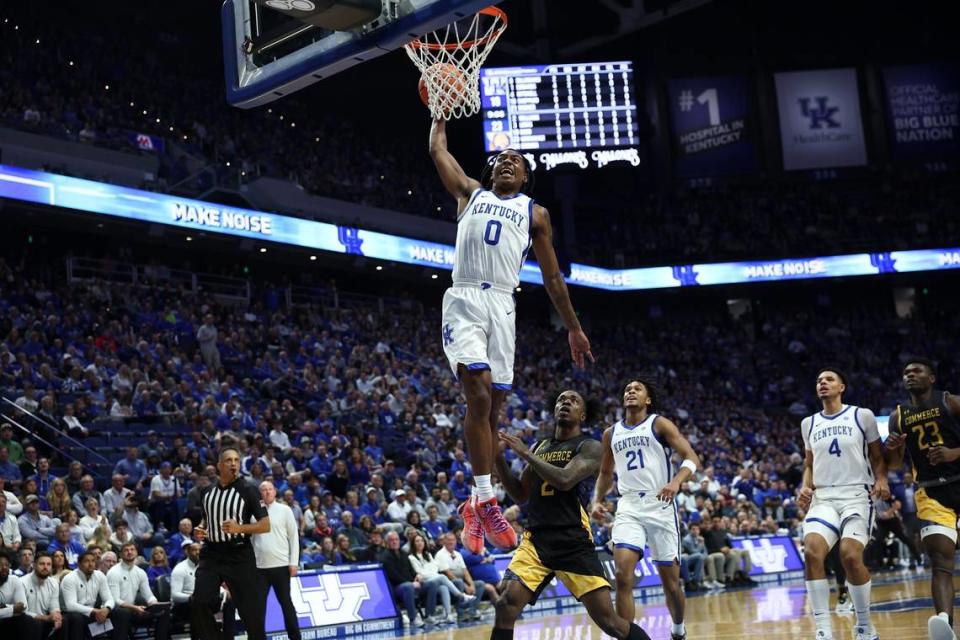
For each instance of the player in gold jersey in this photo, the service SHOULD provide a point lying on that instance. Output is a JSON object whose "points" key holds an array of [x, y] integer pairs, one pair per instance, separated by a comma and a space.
{"points": [[929, 429], [556, 485]]}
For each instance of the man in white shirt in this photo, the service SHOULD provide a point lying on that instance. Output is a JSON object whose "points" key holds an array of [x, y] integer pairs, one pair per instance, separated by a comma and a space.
{"points": [[115, 497], [450, 563], [127, 581], [13, 603], [10, 538], [164, 491], [81, 590], [398, 509], [43, 599], [278, 555], [182, 582], [279, 438], [14, 506]]}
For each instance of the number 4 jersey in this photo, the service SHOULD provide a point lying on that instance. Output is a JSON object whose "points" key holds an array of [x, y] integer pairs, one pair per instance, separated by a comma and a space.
{"points": [[930, 425], [839, 445]]}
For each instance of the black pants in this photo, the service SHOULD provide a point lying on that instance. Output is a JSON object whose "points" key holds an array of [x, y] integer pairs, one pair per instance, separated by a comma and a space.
{"points": [[184, 613], [236, 566], [75, 625], [126, 619], [895, 526], [279, 579], [23, 627]]}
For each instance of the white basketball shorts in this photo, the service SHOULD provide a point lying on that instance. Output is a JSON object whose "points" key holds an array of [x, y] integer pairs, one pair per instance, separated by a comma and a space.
{"points": [[479, 331], [646, 521], [841, 512]]}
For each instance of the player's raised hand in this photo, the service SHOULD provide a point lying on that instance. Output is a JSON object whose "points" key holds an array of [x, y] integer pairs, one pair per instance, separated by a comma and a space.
{"points": [[199, 533], [804, 497], [580, 348], [514, 443], [881, 489]]}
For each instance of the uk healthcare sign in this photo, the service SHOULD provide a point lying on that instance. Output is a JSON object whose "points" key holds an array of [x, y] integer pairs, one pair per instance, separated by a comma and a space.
{"points": [[820, 124], [923, 112], [711, 126]]}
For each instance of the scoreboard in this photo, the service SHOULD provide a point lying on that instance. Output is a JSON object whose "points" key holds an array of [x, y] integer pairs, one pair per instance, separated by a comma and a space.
{"points": [[582, 114]]}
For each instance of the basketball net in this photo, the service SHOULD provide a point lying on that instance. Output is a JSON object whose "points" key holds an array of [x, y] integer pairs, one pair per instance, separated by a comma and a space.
{"points": [[449, 60]]}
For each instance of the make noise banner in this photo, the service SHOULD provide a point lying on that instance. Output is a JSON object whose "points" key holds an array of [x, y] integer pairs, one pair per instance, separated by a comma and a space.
{"points": [[711, 126], [923, 112], [820, 124]]}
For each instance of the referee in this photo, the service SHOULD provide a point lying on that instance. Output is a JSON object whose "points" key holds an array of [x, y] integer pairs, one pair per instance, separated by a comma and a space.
{"points": [[278, 555], [227, 554]]}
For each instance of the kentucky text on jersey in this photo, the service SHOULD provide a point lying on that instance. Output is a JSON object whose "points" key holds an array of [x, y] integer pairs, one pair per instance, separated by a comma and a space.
{"points": [[493, 209], [833, 430], [922, 416], [631, 442]]}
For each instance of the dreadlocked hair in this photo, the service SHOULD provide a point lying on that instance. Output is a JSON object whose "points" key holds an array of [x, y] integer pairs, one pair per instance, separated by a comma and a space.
{"points": [[486, 174]]}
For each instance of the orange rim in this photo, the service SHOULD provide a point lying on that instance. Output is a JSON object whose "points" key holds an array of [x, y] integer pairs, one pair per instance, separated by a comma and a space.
{"points": [[487, 11]]}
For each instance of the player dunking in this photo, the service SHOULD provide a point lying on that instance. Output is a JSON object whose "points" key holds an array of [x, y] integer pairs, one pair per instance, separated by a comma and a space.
{"points": [[930, 427], [555, 485], [639, 448], [497, 223], [844, 458]]}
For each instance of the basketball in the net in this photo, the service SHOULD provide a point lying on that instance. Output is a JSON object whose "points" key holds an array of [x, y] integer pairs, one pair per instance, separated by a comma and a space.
{"points": [[446, 78]]}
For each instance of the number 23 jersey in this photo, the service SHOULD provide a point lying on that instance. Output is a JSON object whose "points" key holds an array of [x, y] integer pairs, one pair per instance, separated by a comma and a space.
{"points": [[929, 425], [839, 445]]}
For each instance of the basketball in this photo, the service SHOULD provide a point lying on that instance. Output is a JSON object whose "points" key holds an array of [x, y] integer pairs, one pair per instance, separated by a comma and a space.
{"points": [[445, 77]]}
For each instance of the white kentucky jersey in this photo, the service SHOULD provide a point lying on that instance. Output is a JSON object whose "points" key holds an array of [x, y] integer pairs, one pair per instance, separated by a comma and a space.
{"points": [[839, 445], [643, 461], [494, 235]]}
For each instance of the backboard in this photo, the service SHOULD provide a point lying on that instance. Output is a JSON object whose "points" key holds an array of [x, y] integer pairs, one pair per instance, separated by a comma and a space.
{"points": [[272, 48]]}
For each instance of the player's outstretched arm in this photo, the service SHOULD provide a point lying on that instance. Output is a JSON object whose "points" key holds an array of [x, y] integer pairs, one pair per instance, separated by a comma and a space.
{"points": [[556, 287], [604, 476], [517, 488], [452, 175], [691, 461], [583, 465]]}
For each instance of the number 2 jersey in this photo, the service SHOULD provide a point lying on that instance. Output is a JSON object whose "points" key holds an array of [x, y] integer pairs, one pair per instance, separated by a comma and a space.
{"points": [[839, 445], [930, 424], [494, 236]]}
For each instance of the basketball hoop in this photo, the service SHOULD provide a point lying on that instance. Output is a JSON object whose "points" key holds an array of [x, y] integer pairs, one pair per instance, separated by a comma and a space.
{"points": [[449, 60]]}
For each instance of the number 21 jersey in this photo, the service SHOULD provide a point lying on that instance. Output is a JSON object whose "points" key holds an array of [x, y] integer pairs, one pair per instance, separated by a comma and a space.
{"points": [[494, 235], [642, 459], [839, 445]]}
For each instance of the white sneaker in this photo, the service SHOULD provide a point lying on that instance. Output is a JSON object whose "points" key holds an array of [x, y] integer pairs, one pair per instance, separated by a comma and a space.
{"points": [[434, 619], [719, 586], [467, 599], [823, 635], [418, 621], [405, 618], [844, 605], [865, 633], [938, 628], [452, 618]]}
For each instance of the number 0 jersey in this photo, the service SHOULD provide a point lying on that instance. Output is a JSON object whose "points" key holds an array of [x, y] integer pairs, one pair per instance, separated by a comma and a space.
{"points": [[927, 425], [642, 460], [839, 445], [494, 235]]}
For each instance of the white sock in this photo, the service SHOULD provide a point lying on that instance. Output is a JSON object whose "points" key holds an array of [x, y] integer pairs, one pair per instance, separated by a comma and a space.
{"points": [[484, 487], [818, 591], [860, 594], [678, 630]]}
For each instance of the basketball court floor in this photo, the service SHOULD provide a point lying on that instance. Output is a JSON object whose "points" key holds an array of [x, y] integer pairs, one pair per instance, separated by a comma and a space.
{"points": [[901, 606]]}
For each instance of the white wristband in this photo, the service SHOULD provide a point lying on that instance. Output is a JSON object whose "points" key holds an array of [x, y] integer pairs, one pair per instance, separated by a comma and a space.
{"points": [[689, 464]]}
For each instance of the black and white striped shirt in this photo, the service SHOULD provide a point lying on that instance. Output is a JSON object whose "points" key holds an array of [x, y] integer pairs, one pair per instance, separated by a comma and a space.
{"points": [[239, 501]]}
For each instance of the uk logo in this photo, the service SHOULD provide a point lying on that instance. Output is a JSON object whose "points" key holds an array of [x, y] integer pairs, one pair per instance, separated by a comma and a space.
{"points": [[819, 112], [329, 601], [447, 334], [769, 557], [349, 237]]}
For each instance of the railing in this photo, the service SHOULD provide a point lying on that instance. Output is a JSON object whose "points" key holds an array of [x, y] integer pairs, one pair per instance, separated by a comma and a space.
{"points": [[300, 296], [224, 288]]}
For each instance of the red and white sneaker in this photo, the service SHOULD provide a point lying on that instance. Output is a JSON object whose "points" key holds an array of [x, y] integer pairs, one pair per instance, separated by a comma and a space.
{"points": [[495, 526], [472, 535]]}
